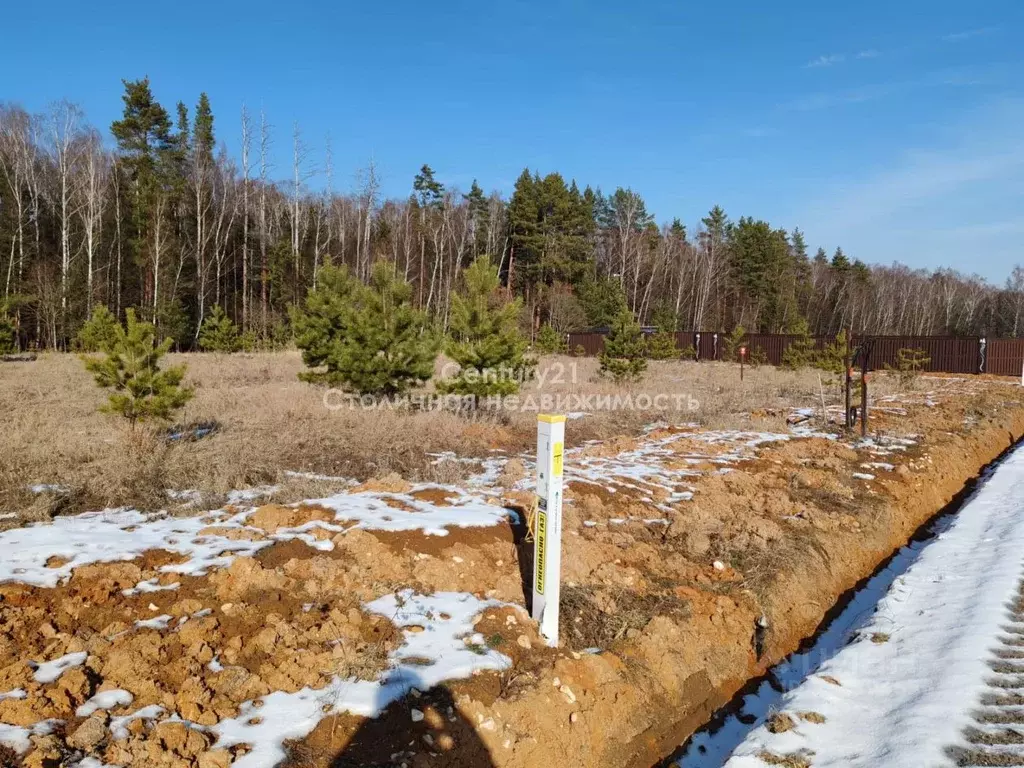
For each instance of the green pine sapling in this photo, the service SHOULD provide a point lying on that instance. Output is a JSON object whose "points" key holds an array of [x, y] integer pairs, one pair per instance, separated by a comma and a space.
{"points": [[130, 368]]}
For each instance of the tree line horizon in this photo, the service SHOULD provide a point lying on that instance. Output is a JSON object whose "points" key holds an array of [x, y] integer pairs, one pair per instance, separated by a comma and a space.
{"points": [[168, 223]]}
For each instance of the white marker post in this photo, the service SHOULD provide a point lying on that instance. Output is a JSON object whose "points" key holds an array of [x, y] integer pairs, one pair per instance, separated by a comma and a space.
{"points": [[547, 547]]}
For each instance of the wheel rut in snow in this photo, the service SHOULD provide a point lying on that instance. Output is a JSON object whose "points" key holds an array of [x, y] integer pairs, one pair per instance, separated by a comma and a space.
{"points": [[997, 735]]}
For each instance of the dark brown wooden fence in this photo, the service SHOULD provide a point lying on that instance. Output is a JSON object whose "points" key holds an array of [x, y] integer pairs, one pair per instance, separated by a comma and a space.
{"points": [[947, 354], [1004, 357], [589, 344]]}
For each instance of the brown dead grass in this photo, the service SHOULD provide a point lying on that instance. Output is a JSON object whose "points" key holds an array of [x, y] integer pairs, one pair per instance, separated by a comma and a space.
{"points": [[794, 760], [812, 717], [599, 618], [780, 723], [270, 422]]}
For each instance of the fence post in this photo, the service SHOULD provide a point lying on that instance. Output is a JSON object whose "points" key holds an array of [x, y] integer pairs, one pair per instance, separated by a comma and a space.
{"points": [[696, 347], [864, 395], [982, 361], [547, 547], [848, 385]]}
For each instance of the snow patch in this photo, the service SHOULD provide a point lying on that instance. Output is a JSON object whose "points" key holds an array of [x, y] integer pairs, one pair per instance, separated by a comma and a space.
{"points": [[157, 622], [17, 738], [105, 700], [446, 620], [370, 511], [48, 671], [48, 488], [119, 725], [91, 762], [245, 495], [149, 585], [117, 535]]}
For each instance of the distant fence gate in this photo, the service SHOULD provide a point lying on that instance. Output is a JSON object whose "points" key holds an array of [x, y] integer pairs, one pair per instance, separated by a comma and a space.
{"points": [[946, 354]]}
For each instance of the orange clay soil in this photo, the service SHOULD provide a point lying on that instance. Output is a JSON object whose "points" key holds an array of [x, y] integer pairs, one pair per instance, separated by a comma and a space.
{"points": [[670, 605]]}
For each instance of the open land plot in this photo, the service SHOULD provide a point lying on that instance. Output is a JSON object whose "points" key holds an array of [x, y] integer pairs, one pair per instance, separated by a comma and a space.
{"points": [[242, 628]]}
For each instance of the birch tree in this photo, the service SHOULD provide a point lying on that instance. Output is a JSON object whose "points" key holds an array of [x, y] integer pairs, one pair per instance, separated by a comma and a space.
{"points": [[94, 190], [66, 147]]}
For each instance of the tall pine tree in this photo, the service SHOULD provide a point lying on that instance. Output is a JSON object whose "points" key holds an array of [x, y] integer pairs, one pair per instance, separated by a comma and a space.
{"points": [[150, 157], [551, 224]]}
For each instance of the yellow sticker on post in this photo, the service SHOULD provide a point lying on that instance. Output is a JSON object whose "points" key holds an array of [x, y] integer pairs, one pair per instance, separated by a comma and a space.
{"points": [[556, 463], [541, 544]]}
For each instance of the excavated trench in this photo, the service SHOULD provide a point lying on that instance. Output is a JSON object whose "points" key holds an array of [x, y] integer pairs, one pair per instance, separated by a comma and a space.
{"points": [[996, 738]]}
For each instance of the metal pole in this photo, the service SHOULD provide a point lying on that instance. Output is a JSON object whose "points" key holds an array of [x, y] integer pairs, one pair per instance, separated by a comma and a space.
{"points": [[848, 365], [864, 397]]}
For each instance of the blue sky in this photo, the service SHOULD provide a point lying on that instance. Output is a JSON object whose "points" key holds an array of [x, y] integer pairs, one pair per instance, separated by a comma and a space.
{"points": [[894, 129]]}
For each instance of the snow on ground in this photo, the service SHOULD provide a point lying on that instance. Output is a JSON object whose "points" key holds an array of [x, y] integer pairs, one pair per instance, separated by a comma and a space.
{"points": [[48, 671], [112, 535], [47, 488], [115, 535], [435, 630], [119, 725], [91, 762], [45, 554], [105, 700], [149, 585], [652, 467], [17, 738], [654, 464], [884, 445], [440, 644], [900, 693], [370, 510]]}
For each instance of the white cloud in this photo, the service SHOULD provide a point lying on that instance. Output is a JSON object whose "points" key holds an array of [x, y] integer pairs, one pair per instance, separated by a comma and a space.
{"points": [[829, 99], [832, 59], [967, 34], [922, 208], [826, 61], [816, 101], [1012, 226]]}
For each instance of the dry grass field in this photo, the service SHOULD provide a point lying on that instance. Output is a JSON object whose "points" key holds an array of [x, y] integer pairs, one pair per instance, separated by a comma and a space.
{"points": [[271, 425]]}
